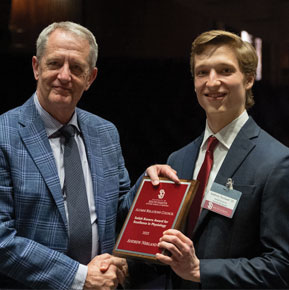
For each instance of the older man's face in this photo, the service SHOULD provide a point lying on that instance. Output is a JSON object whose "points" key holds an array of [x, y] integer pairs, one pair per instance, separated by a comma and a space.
{"points": [[63, 74]]}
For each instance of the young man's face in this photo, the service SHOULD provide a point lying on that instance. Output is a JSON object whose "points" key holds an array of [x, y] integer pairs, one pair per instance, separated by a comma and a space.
{"points": [[219, 84]]}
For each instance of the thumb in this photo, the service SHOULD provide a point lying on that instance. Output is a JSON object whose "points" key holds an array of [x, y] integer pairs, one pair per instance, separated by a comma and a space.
{"points": [[104, 265]]}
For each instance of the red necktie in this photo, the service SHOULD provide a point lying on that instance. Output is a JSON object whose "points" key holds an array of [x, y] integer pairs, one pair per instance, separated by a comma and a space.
{"points": [[203, 177]]}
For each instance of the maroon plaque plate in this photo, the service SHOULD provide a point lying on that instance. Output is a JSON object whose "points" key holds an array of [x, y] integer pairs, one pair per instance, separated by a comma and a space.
{"points": [[154, 210]]}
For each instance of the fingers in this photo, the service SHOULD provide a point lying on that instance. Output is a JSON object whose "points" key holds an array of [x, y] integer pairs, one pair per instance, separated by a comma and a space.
{"points": [[180, 235], [183, 259], [121, 275], [122, 268], [118, 262], [95, 279], [105, 261], [164, 259], [175, 253], [158, 170], [99, 258], [112, 260], [177, 244], [119, 267], [104, 265], [115, 272]]}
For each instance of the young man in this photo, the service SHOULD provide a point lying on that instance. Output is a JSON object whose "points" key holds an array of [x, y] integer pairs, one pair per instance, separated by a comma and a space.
{"points": [[249, 249]]}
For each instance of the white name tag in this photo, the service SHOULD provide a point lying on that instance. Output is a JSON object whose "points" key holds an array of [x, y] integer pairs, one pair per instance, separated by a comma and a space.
{"points": [[222, 200]]}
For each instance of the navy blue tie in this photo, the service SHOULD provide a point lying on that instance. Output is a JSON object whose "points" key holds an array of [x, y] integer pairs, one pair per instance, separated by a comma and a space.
{"points": [[80, 236]]}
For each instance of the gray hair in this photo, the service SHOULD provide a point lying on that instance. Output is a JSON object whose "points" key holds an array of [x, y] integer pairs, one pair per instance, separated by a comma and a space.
{"points": [[71, 27]]}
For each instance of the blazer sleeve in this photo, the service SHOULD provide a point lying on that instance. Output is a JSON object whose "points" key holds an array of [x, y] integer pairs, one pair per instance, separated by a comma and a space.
{"points": [[22, 259]]}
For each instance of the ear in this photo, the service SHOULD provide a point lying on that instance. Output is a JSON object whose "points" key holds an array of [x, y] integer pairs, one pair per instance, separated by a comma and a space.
{"points": [[249, 81], [35, 66], [91, 78]]}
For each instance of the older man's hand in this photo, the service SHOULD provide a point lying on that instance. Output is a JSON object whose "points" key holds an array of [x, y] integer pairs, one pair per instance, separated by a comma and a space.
{"points": [[105, 272]]}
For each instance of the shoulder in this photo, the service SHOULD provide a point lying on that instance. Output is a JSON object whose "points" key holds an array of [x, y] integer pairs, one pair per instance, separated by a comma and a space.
{"points": [[187, 149], [182, 151], [97, 124], [264, 153], [9, 116], [90, 118], [22, 114], [9, 124], [265, 142], [271, 147], [183, 160]]}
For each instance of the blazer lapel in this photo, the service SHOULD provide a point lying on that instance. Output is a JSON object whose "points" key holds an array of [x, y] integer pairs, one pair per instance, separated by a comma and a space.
{"points": [[191, 153], [34, 136], [93, 150], [241, 147]]}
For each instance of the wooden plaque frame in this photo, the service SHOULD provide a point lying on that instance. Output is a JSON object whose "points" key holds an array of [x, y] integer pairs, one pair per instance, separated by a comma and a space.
{"points": [[154, 210]]}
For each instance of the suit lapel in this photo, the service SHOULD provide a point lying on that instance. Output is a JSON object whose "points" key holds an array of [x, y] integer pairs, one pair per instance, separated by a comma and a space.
{"points": [[191, 153], [91, 139], [241, 147], [34, 136]]}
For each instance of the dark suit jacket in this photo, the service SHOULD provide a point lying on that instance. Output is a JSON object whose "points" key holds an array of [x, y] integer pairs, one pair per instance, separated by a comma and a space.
{"points": [[33, 224], [251, 250]]}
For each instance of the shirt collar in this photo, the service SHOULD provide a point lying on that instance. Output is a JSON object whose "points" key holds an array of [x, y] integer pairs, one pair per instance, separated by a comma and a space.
{"points": [[51, 124], [227, 135]]}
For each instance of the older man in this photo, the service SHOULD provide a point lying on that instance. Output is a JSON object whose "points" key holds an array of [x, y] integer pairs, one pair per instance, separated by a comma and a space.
{"points": [[63, 178]]}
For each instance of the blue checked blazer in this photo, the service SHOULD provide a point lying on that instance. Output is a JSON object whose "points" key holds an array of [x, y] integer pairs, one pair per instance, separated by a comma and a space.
{"points": [[33, 224]]}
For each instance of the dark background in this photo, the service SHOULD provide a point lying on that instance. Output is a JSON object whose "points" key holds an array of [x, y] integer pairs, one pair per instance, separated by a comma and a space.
{"points": [[144, 84]]}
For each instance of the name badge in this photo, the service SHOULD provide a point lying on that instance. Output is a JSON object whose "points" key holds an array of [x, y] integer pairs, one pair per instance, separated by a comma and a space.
{"points": [[222, 199]]}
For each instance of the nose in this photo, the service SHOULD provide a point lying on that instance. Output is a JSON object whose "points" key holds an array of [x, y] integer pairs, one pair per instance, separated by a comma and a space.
{"points": [[213, 79], [64, 74]]}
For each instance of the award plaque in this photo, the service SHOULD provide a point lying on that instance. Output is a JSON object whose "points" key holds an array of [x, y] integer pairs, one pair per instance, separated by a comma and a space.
{"points": [[154, 210]]}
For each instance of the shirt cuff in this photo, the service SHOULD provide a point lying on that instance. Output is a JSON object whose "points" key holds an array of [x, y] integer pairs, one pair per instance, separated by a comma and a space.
{"points": [[79, 278]]}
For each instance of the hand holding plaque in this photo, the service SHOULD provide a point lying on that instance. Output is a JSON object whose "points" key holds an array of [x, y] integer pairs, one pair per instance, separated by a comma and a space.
{"points": [[154, 210]]}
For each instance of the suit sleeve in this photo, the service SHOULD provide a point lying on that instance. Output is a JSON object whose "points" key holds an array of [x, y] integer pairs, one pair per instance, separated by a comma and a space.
{"points": [[22, 259], [24, 262]]}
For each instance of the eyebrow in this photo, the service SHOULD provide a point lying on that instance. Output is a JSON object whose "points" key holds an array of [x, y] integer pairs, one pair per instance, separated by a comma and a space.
{"points": [[214, 65], [71, 61]]}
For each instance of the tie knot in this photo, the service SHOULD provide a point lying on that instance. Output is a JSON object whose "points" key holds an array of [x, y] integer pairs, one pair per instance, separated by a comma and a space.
{"points": [[67, 131], [212, 143]]}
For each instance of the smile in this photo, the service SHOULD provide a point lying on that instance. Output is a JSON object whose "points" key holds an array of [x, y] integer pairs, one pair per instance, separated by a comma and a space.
{"points": [[61, 89], [215, 96]]}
